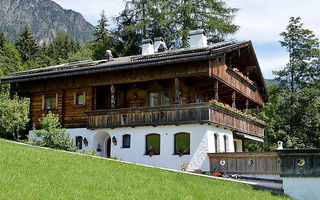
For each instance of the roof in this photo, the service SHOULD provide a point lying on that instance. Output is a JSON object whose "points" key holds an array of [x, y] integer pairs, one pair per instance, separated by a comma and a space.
{"points": [[129, 62], [84, 67]]}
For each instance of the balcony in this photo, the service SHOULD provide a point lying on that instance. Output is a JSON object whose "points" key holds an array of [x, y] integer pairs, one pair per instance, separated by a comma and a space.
{"points": [[173, 115]]}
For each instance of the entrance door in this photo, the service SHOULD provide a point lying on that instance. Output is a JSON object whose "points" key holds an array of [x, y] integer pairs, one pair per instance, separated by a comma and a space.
{"points": [[108, 147]]}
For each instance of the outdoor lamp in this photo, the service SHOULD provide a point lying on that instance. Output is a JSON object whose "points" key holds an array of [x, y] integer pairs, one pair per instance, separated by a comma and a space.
{"points": [[114, 140], [85, 141]]}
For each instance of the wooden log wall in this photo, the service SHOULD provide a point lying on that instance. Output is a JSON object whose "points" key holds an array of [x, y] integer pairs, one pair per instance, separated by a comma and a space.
{"points": [[70, 114], [262, 163], [220, 70]]}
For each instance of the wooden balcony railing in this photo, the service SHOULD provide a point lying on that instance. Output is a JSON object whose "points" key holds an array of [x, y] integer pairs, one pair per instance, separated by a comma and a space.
{"points": [[262, 163], [234, 80], [173, 115]]}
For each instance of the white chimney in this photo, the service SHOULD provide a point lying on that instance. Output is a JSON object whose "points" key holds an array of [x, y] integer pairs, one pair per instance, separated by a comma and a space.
{"points": [[198, 39], [159, 45], [147, 47]]}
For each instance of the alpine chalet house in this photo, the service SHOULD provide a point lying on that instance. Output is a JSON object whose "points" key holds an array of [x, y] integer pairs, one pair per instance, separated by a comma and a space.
{"points": [[162, 108]]}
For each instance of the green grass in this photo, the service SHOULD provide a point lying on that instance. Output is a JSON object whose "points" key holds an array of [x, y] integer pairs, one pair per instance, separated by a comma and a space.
{"points": [[33, 173]]}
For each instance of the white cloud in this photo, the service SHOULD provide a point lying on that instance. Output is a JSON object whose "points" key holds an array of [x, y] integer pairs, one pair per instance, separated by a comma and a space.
{"points": [[273, 62], [262, 21], [91, 9]]}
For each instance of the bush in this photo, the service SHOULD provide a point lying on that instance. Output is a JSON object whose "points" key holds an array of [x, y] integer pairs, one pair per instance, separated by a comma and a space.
{"points": [[53, 136]]}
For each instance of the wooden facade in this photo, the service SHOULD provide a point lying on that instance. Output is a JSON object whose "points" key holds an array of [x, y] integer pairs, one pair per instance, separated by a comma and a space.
{"points": [[258, 163], [122, 97]]}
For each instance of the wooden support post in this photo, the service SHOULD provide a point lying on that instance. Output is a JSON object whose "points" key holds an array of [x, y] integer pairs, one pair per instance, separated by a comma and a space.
{"points": [[257, 110], [247, 105], [216, 89], [233, 99], [113, 100], [176, 86]]}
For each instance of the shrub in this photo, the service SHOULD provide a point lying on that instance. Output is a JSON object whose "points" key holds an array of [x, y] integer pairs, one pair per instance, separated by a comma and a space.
{"points": [[53, 136]]}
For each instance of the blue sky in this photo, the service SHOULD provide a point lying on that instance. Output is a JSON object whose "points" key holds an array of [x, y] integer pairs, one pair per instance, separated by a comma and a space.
{"points": [[261, 22]]}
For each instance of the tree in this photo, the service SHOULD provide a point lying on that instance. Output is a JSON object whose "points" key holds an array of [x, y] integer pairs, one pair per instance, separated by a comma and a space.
{"points": [[293, 112], [3, 39], [53, 136], [101, 31], [14, 114], [61, 46], [9, 60], [85, 53], [173, 19], [26, 45], [104, 40], [127, 39]]}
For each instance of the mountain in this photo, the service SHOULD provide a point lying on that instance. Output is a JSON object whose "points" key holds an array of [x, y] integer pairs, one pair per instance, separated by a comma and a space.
{"points": [[45, 18]]}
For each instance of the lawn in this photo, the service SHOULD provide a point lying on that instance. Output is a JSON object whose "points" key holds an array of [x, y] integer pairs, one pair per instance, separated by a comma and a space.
{"points": [[33, 173]]}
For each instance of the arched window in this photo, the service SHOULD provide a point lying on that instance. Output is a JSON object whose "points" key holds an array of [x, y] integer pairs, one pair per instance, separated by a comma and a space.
{"points": [[215, 143], [79, 142], [225, 140], [126, 140], [153, 144], [182, 143]]}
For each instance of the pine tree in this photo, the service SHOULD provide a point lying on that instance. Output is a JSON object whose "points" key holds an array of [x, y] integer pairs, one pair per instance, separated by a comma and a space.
{"points": [[3, 39], [61, 46], [173, 19], [103, 39], [26, 44], [101, 32], [297, 98]]}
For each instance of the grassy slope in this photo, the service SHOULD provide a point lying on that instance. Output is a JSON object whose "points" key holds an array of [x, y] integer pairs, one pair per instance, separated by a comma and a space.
{"points": [[33, 173]]}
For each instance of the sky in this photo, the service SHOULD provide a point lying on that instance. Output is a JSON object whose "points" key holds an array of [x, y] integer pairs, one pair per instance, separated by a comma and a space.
{"points": [[260, 21]]}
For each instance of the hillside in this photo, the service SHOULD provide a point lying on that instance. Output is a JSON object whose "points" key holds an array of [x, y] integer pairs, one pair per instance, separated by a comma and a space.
{"points": [[33, 173], [45, 17]]}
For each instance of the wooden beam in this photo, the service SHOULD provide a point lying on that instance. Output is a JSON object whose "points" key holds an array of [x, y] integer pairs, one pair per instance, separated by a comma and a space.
{"points": [[216, 89], [233, 99], [113, 100], [247, 105], [176, 86]]}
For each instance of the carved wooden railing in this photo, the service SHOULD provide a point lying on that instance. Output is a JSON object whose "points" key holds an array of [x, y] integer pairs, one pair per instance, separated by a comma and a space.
{"points": [[173, 115], [232, 79], [262, 163]]}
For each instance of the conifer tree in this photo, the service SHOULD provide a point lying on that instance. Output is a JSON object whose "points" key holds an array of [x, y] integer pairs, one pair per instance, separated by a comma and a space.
{"points": [[26, 44], [173, 19], [296, 99], [61, 46], [3, 39], [101, 32]]}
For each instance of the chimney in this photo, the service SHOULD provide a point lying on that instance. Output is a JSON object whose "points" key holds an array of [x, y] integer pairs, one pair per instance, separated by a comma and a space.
{"points": [[108, 55], [198, 38], [159, 45], [147, 47]]}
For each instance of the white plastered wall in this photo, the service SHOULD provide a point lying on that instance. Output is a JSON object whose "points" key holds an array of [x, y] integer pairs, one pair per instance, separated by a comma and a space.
{"points": [[201, 143]]}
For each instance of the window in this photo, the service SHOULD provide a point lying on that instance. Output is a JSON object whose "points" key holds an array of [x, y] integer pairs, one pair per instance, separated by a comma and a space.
{"points": [[216, 143], [79, 142], [50, 103], [182, 143], [126, 141], [79, 99], [165, 98], [161, 98], [200, 98], [235, 146], [154, 99], [225, 143], [153, 144]]}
